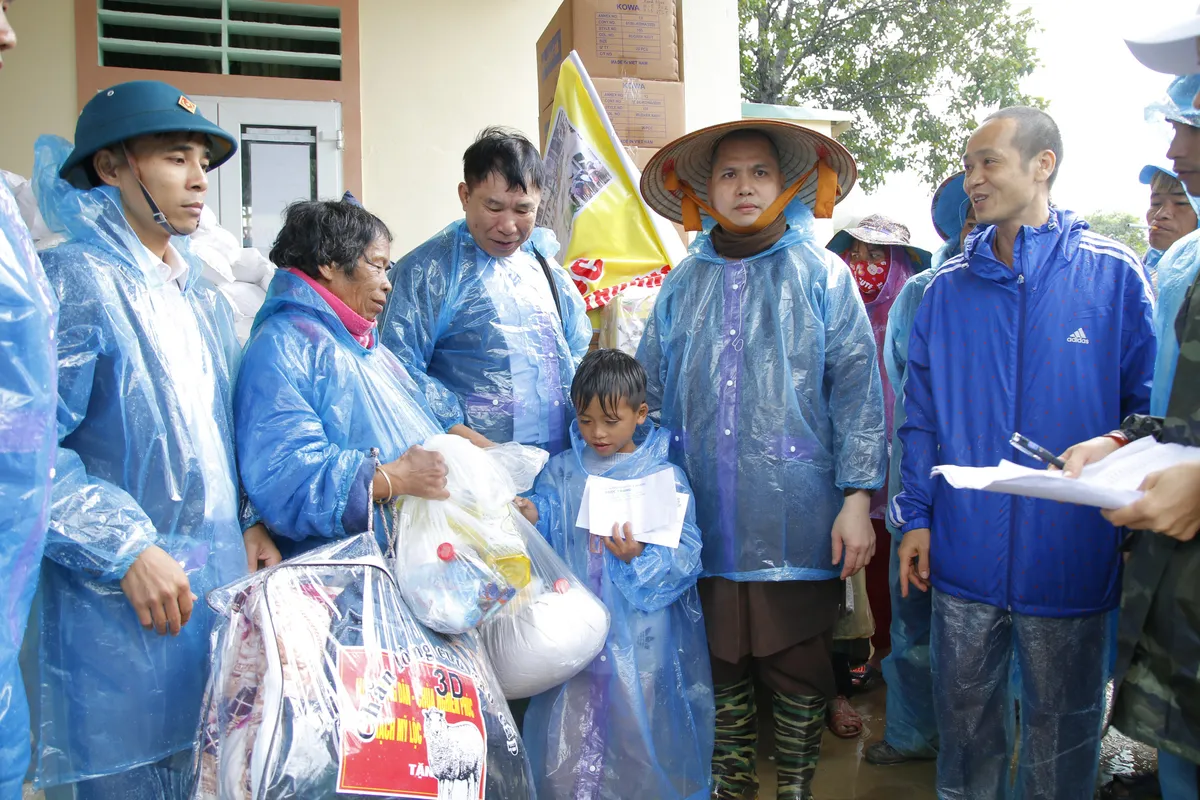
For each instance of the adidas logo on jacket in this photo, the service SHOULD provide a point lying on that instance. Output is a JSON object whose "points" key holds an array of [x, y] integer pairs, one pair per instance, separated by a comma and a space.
{"points": [[1060, 348]]}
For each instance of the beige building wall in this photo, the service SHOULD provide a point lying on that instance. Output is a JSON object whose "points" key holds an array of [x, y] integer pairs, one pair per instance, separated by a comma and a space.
{"points": [[37, 83], [711, 63], [436, 73], [433, 75]]}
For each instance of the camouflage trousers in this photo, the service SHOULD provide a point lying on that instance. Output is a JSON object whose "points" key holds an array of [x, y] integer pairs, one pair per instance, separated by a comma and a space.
{"points": [[1158, 663]]}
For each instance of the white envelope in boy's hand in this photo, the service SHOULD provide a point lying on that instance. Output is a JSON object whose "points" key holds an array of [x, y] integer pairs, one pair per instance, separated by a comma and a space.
{"points": [[639, 502]]}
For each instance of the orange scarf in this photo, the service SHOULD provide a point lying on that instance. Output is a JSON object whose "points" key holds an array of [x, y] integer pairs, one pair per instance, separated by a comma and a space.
{"points": [[827, 193]]}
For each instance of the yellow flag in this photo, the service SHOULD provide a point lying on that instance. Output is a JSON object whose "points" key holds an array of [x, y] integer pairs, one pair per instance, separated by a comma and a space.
{"points": [[591, 200]]}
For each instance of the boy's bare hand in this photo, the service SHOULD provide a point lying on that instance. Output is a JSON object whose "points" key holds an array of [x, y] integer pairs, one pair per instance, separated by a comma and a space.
{"points": [[528, 509], [623, 545]]}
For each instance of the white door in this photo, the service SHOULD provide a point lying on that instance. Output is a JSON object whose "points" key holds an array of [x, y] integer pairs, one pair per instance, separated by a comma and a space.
{"points": [[288, 150]]}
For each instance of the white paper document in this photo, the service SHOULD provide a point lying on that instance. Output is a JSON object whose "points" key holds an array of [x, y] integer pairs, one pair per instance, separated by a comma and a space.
{"points": [[642, 502], [1110, 483]]}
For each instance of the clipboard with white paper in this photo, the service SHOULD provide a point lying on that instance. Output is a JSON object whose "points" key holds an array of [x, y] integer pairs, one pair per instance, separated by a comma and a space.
{"points": [[1110, 483]]}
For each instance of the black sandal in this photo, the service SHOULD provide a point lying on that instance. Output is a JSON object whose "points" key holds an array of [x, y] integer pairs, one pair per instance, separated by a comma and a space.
{"points": [[865, 676]]}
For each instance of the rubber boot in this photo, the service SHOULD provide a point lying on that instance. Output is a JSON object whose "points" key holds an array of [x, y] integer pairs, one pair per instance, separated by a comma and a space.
{"points": [[799, 723], [736, 742]]}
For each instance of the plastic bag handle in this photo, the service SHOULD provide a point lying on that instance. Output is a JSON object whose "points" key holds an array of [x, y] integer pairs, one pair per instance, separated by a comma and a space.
{"points": [[553, 287]]}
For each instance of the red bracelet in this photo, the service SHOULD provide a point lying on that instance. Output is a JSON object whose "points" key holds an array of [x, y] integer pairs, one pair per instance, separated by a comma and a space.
{"points": [[1118, 437]]}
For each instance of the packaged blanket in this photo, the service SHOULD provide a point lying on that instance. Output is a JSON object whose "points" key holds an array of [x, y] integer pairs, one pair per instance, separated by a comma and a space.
{"points": [[324, 685]]}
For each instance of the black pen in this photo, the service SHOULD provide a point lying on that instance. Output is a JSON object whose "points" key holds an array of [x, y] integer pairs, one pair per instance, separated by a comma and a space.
{"points": [[1032, 448]]}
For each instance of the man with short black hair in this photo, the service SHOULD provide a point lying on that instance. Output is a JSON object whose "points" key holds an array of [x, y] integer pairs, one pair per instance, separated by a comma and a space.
{"points": [[145, 519], [1034, 132], [485, 320], [1044, 328]]}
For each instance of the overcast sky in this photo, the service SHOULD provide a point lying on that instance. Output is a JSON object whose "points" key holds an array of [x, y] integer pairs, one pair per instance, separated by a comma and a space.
{"points": [[1097, 92]]}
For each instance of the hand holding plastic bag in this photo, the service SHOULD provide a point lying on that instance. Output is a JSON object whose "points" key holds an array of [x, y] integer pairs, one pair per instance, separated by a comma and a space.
{"points": [[459, 560]]}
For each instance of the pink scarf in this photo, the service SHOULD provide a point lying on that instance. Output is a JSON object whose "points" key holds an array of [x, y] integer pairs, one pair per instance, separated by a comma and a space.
{"points": [[359, 326]]}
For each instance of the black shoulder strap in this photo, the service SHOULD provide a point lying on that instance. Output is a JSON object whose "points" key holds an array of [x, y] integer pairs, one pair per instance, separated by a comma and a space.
{"points": [[553, 286]]}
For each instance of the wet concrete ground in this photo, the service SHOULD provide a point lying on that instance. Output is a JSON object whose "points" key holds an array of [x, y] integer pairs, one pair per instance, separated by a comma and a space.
{"points": [[844, 774]]}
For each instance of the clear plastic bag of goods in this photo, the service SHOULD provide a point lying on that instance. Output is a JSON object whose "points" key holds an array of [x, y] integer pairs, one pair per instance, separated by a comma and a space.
{"points": [[323, 685], [624, 318], [550, 631], [474, 562], [251, 266], [458, 561]]}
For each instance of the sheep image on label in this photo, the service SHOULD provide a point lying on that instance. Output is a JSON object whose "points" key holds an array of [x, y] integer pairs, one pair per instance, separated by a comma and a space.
{"points": [[455, 753]]}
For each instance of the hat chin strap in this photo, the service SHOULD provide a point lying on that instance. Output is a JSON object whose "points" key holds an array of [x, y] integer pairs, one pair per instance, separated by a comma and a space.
{"points": [[827, 192], [155, 211]]}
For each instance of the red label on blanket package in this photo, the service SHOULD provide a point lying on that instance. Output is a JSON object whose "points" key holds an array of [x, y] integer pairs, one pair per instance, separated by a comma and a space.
{"points": [[410, 729]]}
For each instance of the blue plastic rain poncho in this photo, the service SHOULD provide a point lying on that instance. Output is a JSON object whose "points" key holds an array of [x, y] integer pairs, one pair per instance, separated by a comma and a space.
{"points": [[145, 458], [639, 721], [1178, 266], [1177, 105], [947, 251], [911, 725], [27, 446], [483, 338], [311, 404], [1176, 274], [763, 372]]}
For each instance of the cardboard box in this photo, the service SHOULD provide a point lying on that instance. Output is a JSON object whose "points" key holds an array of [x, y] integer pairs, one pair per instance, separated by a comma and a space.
{"points": [[614, 38], [544, 127], [644, 113]]}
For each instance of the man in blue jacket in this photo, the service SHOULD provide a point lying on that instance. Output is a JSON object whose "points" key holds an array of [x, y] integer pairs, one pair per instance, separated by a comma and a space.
{"points": [[1045, 328]]}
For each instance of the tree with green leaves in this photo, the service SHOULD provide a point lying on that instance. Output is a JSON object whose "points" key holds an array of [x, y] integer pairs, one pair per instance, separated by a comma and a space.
{"points": [[1126, 228], [914, 72]]}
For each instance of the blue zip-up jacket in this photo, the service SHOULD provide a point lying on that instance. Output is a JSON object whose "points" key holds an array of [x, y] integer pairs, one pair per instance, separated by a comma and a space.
{"points": [[1061, 348]]}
